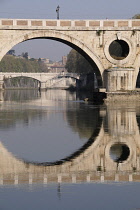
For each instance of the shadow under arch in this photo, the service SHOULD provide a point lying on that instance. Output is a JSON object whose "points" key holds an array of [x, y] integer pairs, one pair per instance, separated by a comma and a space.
{"points": [[138, 80], [76, 44]]}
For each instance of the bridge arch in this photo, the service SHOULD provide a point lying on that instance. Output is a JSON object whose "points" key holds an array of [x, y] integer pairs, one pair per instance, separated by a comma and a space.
{"points": [[71, 41], [12, 77]]}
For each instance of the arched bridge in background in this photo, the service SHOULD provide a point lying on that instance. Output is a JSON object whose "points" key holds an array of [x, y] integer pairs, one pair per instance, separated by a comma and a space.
{"points": [[94, 39], [45, 80]]}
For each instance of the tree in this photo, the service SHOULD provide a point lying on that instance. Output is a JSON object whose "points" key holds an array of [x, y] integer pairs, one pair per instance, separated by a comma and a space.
{"points": [[25, 55], [11, 52], [76, 63], [137, 16], [14, 64], [39, 60], [71, 61]]}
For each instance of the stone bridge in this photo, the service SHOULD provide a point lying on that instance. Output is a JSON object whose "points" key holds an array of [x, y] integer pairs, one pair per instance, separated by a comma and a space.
{"points": [[45, 79], [91, 163], [94, 39]]}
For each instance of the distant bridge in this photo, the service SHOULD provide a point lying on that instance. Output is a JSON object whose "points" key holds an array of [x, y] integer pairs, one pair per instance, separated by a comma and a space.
{"points": [[45, 79]]}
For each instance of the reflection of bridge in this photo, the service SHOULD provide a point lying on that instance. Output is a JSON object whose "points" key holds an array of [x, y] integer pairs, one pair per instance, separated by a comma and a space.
{"points": [[45, 79], [90, 163], [92, 38]]}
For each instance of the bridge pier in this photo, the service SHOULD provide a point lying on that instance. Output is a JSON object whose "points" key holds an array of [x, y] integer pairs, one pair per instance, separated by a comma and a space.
{"points": [[42, 85], [1, 84], [119, 79], [1, 95]]}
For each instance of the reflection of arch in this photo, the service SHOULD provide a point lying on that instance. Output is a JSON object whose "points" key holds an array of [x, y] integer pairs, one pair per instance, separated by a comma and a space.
{"points": [[97, 132], [85, 160], [58, 36], [74, 155], [31, 95], [122, 129]]}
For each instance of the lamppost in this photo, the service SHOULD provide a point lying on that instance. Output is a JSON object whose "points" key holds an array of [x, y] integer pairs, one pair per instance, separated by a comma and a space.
{"points": [[57, 11]]}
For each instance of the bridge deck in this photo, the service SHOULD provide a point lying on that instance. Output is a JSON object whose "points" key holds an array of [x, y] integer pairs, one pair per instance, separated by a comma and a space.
{"points": [[122, 24]]}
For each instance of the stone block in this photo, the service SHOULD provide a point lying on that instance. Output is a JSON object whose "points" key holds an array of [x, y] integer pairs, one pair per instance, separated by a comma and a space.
{"points": [[122, 23], [123, 178], [80, 23], [65, 23], [7, 22], [94, 23], [136, 177], [51, 23], [22, 22], [135, 23], [109, 23], [36, 23]]}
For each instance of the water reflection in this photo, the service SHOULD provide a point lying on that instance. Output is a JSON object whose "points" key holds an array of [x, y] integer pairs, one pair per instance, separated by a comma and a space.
{"points": [[19, 95], [50, 118], [119, 152], [110, 151]]}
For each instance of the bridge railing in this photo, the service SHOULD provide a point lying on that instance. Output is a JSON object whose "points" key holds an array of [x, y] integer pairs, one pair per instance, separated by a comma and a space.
{"points": [[69, 74], [49, 23]]}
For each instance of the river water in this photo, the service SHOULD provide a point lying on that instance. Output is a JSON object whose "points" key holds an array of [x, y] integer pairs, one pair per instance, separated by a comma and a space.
{"points": [[59, 152]]}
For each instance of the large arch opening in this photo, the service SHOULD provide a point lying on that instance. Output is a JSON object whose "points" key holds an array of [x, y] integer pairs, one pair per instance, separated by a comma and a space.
{"points": [[74, 44], [86, 56]]}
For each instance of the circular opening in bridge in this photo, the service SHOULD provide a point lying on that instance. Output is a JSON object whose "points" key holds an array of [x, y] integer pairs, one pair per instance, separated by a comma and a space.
{"points": [[119, 49], [119, 152]]}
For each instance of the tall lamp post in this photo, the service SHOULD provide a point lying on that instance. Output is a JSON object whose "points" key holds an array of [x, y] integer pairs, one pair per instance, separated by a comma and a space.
{"points": [[57, 11]]}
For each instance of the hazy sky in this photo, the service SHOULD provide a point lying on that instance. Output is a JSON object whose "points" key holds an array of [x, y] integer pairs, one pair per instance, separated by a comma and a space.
{"points": [[72, 9]]}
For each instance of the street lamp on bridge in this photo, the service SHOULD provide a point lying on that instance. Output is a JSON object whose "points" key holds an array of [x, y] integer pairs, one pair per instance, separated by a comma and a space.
{"points": [[57, 11]]}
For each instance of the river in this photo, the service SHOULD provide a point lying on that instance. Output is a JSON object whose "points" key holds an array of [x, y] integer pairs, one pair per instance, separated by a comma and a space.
{"points": [[59, 152]]}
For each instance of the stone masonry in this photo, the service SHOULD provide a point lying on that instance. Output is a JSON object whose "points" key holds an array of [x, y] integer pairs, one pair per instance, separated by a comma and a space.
{"points": [[90, 37]]}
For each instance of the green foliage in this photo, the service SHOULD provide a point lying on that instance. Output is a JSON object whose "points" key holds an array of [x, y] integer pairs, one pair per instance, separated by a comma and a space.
{"points": [[76, 63], [25, 55], [13, 64], [137, 16], [11, 52]]}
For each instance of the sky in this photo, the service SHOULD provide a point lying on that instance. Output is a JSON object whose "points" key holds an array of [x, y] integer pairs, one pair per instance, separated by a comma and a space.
{"points": [[72, 9]]}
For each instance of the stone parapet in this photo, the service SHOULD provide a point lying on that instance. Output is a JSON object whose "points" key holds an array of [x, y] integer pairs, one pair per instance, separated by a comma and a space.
{"points": [[130, 24]]}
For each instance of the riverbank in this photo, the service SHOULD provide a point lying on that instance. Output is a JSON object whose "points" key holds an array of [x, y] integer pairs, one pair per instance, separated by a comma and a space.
{"points": [[115, 97], [123, 96]]}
